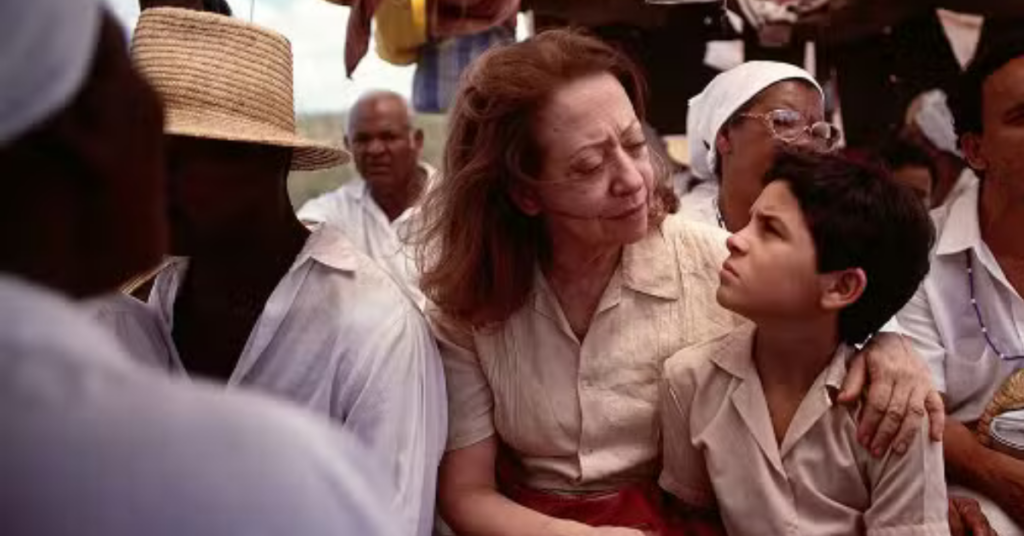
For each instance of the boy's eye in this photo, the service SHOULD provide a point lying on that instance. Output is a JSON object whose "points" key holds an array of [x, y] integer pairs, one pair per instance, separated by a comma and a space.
{"points": [[770, 228]]}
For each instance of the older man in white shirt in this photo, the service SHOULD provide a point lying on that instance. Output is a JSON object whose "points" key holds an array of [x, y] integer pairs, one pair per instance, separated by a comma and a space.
{"points": [[377, 210], [94, 444], [967, 319]]}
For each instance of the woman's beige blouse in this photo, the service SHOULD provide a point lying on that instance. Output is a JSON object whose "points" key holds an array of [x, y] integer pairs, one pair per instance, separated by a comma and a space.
{"points": [[582, 415]]}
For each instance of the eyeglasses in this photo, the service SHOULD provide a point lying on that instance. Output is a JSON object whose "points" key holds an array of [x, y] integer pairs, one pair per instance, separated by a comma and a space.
{"points": [[790, 126]]}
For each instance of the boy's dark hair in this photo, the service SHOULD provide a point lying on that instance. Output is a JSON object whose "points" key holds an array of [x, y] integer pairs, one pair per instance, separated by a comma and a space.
{"points": [[897, 152], [860, 218], [965, 100]]}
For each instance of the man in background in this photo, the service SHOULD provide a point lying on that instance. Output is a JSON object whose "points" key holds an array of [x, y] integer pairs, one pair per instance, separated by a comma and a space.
{"points": [[377, 209], [967, 318]]}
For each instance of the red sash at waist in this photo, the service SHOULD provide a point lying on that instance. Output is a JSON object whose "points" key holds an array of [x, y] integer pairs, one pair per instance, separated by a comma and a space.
{"points": [[642, 505]]}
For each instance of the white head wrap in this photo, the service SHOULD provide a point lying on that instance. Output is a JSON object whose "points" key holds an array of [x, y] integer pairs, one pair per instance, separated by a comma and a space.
{"points": [[726, 94], [936, 121], [46, 51]]}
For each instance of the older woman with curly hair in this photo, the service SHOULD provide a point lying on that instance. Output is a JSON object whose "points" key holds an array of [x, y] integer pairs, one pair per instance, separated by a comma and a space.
{"points": [[560, 285]]}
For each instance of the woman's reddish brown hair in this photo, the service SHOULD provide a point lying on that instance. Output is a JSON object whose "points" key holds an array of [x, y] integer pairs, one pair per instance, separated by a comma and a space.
{"points": [[478, 251]]}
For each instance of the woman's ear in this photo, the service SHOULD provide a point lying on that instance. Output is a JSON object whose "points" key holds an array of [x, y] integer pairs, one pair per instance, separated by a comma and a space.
{"points": [[842, 288], [723, 145], [525, 198]]}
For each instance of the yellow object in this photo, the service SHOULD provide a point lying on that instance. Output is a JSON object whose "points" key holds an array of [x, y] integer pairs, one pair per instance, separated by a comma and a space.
{"points": [[678, 147], [401, 30]]}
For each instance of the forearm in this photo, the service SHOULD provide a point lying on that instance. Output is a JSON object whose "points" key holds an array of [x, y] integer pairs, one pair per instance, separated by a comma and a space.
{"points": [[971, 464], [486, 512]]}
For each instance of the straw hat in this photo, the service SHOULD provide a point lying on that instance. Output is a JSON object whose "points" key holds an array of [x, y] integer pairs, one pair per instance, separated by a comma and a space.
{"points": [[224, 79]]}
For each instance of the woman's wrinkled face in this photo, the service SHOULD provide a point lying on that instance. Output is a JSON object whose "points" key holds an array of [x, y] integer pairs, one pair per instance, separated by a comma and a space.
{"points": [[596, 176]]}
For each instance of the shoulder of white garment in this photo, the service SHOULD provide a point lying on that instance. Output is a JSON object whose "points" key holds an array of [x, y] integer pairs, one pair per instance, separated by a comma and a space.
{"points": [[332, 248], [90, 432], [334, 205]]}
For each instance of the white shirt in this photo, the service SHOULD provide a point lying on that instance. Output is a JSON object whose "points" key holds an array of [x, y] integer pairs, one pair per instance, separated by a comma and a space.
{"points": [[964, 182], [353, 210], [943, 324], [339, 337], [701, 203], [94, 444]]}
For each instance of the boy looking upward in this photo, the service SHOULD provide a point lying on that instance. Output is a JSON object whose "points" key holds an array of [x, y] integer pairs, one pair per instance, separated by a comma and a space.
{"points": [[751, 428]]}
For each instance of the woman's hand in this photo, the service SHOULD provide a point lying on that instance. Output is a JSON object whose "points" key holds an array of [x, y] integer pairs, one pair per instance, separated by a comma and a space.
{"points": [[900, 394]]}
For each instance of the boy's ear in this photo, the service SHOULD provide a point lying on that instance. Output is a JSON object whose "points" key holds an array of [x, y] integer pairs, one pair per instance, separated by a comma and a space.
{"points": [[842, 288], [525, 197]]}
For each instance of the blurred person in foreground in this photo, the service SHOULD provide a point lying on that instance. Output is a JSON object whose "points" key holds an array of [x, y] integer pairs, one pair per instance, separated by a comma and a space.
{"points": [[967, 318], [95, 444], [561, 283], [377, 209], [255, 300]]}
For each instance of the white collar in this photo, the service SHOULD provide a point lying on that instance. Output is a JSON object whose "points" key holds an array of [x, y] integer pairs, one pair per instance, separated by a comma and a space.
{"points": [[961, 230], [360, 188]]}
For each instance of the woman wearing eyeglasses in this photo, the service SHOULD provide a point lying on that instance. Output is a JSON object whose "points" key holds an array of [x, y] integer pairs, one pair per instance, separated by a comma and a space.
{"points": [[735, 126], [561, 283]]}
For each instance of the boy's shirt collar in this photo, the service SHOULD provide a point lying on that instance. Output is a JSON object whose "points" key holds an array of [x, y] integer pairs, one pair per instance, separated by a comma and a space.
{"points": [[735, 356]]}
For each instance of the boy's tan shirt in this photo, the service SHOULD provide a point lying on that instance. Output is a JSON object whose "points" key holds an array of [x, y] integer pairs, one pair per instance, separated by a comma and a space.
{"points": [[720, 452]]}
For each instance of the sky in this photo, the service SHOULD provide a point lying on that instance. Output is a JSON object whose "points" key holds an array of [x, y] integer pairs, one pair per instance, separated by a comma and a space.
{"points": [[316, 30]]}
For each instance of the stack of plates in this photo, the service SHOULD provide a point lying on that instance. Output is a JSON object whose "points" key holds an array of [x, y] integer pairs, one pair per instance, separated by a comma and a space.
{"points": [[1007, 433]]}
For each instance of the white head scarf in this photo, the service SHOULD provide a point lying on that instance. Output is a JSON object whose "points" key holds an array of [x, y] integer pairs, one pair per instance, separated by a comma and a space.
{"points": [[726, 94], [936, 121], [46, 51]]}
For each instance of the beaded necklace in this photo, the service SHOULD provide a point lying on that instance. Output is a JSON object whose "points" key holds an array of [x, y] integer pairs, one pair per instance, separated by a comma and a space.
{"points": [[977, 313], [718, 212]]}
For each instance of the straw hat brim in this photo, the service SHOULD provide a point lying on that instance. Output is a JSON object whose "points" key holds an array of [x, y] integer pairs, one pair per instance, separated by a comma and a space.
{"points": [[1009, 397], [307, 155]]}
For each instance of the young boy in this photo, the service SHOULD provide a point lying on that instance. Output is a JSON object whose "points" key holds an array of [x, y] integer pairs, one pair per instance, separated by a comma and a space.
{"points": [[750, 423]]}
